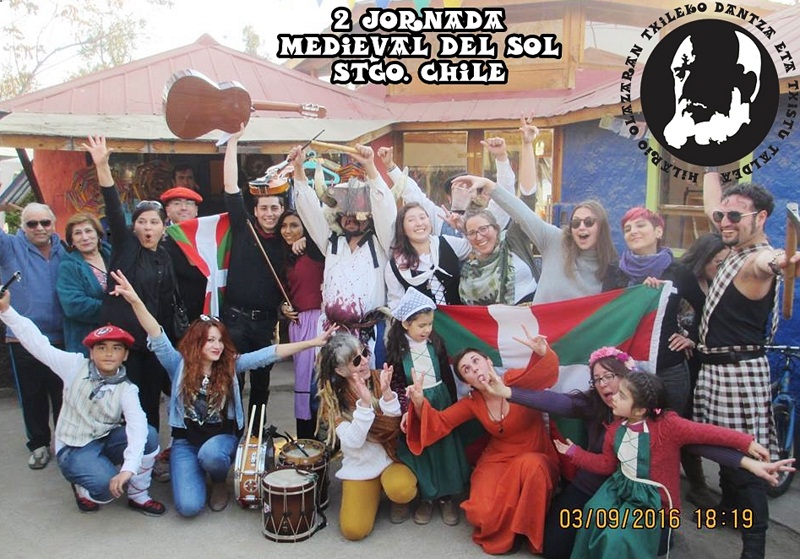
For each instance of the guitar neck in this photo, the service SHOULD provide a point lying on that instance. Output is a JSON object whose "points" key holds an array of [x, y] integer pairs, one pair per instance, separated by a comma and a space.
{"points": [[277, 106], [305, 109]]}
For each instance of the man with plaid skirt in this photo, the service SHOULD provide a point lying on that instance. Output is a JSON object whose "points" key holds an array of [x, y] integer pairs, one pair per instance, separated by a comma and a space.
{"points": [[733, 388]]}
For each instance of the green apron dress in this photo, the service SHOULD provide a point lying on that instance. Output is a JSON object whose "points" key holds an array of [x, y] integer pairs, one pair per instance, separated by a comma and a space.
{"points": [[442, 468], [629, 488]]}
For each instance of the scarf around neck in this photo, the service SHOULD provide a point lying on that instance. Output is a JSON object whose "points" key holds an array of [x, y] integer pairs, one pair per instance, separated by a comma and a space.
{"points": [[490, 280], [639, 268], [99, 380]]}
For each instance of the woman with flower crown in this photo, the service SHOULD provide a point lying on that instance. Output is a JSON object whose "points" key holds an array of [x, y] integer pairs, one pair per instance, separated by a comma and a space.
{"points": [[608, 367]]}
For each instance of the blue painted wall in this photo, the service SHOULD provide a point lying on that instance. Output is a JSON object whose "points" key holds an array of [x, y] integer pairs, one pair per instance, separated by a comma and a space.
{"points": [[779, 176], [603, 165]]}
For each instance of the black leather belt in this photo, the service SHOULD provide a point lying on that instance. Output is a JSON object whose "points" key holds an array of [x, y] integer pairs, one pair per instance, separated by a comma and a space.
{"points": [[252, 314], [729, 357]]}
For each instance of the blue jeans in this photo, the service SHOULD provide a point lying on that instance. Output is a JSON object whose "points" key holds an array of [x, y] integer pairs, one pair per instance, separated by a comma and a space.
{"points": [[678, 386], [93, 465], [189, 464]]}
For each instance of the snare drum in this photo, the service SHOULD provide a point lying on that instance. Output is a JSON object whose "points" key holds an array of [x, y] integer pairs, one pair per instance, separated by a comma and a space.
{"points": [[312, 456], [248, 471], [289, 509]]}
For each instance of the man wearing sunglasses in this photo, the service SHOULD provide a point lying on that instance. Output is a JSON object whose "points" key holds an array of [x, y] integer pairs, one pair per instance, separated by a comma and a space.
{"points": [[733, 388], [36, 252]]}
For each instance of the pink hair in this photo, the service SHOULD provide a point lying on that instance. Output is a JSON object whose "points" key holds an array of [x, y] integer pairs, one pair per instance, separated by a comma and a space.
{"points": [[639, 212]]}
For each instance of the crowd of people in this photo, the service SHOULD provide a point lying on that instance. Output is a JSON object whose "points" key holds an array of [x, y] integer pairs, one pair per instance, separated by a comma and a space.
{"points": [[358, 273]]}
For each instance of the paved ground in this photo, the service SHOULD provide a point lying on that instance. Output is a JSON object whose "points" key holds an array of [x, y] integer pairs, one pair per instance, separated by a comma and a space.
{"points": [[41, 520]]}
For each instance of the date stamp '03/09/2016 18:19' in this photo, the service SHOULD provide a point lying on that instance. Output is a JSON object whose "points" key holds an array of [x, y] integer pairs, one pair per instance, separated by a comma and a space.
{"points": [[650, 519]]}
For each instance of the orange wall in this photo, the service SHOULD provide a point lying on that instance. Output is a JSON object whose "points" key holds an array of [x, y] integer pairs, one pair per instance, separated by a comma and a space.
{"points": [[54, 171]]}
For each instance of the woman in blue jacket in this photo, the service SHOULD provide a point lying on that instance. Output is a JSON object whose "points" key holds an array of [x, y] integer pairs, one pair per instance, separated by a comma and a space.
{"points": [[82, 279], [205, 408]]}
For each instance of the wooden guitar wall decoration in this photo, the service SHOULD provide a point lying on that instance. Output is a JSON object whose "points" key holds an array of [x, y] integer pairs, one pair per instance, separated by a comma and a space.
{"points": [[195, 105]]}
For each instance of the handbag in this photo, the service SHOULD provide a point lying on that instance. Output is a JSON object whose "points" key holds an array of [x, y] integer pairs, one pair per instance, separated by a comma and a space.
{"points": [[180, 317]]}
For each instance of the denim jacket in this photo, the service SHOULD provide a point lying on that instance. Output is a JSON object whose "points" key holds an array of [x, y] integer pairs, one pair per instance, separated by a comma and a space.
{"points": [[172, 361]]}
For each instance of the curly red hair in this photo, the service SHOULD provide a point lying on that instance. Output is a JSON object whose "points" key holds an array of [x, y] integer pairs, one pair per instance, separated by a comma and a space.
{"points": [[223, 371]]}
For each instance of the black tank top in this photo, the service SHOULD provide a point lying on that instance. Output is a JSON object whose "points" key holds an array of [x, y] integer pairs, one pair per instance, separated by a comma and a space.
{"points": [[737, 320]]}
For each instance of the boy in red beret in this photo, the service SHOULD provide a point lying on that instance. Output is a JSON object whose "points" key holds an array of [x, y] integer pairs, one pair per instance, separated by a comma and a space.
{"points": [[102, 424]]}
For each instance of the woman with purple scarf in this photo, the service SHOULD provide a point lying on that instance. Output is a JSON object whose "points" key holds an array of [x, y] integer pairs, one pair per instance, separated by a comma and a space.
{"points": [[646, 261]]}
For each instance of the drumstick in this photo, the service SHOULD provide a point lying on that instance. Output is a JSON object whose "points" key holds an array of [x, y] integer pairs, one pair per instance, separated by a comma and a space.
{"points": [[260, 429], [334, 147], [247, 438]]}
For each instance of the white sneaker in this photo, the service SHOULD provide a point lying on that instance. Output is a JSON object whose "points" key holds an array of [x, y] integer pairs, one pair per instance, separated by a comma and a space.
{"points": [[39, 458]]}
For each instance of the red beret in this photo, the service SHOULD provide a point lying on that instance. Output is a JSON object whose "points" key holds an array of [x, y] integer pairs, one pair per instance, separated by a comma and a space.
{"points": [[180, 192], [108, 333]]}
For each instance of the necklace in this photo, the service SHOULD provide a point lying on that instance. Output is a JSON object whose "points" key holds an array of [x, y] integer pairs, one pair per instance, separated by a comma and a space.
{"points": [[205, 382], [500, 429]]}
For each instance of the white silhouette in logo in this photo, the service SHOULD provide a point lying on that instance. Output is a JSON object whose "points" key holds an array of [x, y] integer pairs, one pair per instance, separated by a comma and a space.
{"points": [[716, 78]]}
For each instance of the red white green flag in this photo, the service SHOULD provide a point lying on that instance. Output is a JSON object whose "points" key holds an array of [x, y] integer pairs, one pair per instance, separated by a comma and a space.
{"points": [[629, 319], [206, 242]]}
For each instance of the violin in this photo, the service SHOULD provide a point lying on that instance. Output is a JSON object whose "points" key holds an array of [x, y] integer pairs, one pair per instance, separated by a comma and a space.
{"points": [[194, 105], [275, 181]]}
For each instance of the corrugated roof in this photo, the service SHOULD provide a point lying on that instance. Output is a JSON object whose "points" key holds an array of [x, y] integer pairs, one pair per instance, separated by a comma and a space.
{"points": [[75, 128], [136, 88], [593, 88]]}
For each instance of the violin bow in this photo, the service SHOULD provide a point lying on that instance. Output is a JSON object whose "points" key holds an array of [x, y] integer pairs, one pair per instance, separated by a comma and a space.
{"points": [[275, 168], [790, 271], [269, 262]]}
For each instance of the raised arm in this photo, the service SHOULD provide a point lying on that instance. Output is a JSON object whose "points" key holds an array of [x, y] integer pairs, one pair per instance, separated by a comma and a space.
{"points": [[307, 203], [96, 146], [62, 363], [384, 208], [505, 177], [712, 193], [125, 290], [528, 172], [230, 166]]}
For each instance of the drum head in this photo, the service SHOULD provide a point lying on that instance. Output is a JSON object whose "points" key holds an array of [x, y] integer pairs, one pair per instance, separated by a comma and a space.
{"points": [[303, 451], [287, 477]]}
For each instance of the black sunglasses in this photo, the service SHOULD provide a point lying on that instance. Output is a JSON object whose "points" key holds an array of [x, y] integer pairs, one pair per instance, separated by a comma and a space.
{"points": [[207, 318], [33, 224], [363, 355], [587, 221], [733, 216]]}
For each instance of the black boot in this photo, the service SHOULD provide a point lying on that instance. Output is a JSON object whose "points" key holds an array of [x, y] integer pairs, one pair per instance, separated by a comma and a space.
{"points": [[699, 494], [754, 545]]}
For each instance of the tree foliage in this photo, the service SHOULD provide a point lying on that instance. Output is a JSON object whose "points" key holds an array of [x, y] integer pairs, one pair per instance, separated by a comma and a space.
{"points": [[95, 34]]}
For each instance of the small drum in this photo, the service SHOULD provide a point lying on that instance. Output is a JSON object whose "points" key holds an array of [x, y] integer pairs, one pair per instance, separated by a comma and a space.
{"points": [[248, 470], [312, 456], [290, 510]]}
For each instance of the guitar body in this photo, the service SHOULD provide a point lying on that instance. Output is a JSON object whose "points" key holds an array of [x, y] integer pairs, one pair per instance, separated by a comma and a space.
{"points": [[195, 105]]}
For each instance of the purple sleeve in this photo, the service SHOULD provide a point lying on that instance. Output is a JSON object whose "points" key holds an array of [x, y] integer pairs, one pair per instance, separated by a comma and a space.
{"points": [[722, 455], [567, 405]]}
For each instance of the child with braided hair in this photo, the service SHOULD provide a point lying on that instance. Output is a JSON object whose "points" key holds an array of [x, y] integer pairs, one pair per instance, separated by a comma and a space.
{"points": [[642, 450]]}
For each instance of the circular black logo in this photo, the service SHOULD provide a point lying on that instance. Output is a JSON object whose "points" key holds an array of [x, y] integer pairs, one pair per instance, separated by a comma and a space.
{"points": [[709, 92]]}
